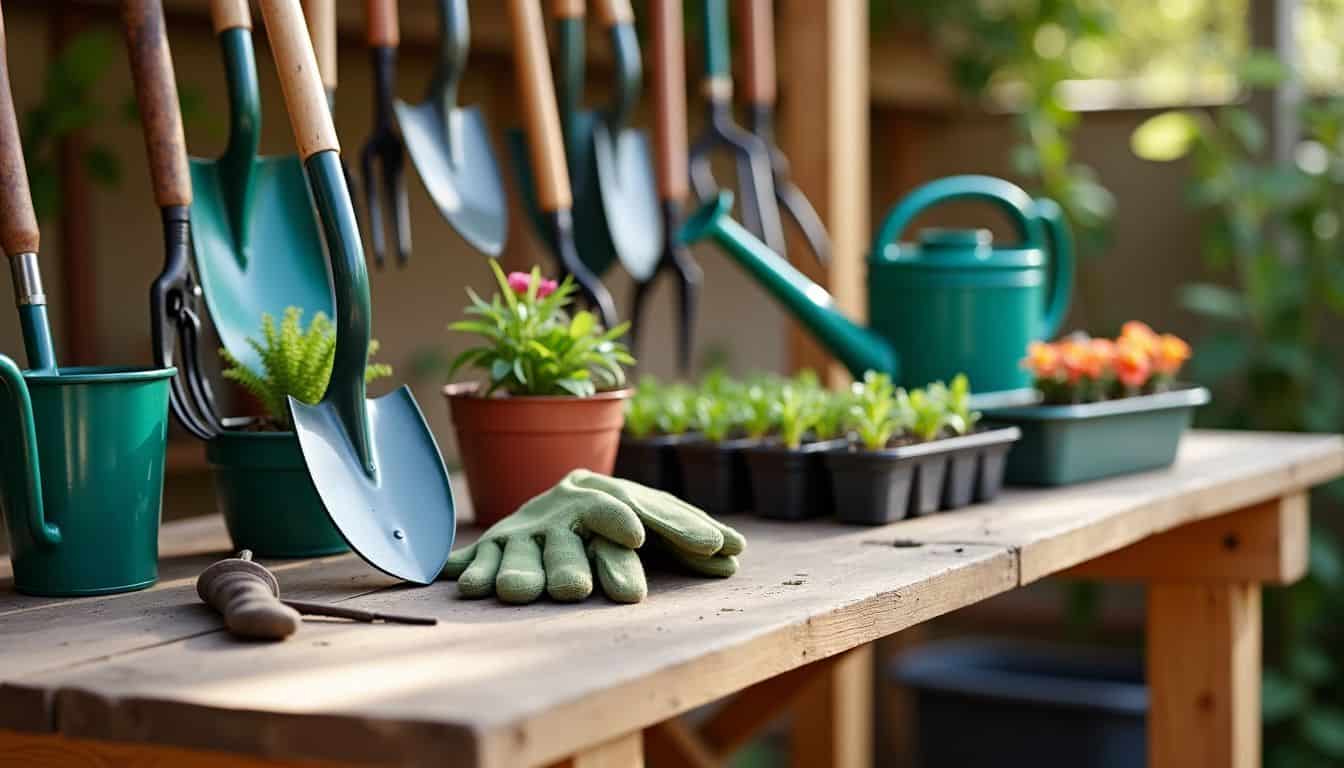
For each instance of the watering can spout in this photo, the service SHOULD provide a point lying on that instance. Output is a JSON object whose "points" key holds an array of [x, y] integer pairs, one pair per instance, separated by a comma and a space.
{"points": [[858, 348]]}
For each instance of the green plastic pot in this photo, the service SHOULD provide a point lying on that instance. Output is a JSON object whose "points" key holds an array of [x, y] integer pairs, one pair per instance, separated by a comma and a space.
{"points": [[267, 497], [1065, 444], [81, 460]]}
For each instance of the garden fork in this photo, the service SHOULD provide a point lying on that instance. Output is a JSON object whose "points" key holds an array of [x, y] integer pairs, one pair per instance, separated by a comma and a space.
{"points": [[385, 146]]}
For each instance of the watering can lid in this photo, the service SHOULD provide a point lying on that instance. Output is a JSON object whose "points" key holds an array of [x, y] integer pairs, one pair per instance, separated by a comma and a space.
{"points": [[940, 247]]}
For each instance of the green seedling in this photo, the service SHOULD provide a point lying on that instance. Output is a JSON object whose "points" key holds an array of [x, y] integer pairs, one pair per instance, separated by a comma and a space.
{"points": [[295, 362], [929, 411], [676, 410], [960, 418], [643, 409], [760, 403], [874, 414], [716, 417], [833, 414], [799, 410]]}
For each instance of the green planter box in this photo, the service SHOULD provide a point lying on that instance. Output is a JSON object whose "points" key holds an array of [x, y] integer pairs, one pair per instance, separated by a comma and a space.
{"points": [[1064, 444]]}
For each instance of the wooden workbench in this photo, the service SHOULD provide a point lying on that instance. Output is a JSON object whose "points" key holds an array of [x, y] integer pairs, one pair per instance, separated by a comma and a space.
{"points": [[149, 675]]}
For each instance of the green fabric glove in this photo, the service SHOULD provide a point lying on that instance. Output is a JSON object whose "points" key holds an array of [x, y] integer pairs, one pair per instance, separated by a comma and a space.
{"points": [[542, 545]]}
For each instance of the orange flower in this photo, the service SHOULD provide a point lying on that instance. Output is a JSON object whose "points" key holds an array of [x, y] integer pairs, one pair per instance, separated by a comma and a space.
{"points": [[1042, 360], [1132, 366], [1078, 360], [1102, 352], [1139, 334], [1170, 354]]}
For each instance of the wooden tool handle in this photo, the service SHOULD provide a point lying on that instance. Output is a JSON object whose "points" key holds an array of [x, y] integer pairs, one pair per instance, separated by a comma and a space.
{"points": [[540, 113], [613, 12], [18, 223], [758, 29], [381, 17], [669, 99], [567, 9], [321, 17], [248, 597], [156, 95], [297, 66], [230, 14]]}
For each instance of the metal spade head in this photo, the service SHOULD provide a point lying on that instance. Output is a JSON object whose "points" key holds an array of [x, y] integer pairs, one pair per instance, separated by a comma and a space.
{"points": [[629, 198]]}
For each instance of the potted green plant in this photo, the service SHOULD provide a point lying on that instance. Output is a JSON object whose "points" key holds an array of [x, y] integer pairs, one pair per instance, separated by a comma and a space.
{"points": [[1108, 407], [713, 468], [657, 418], [789, 478], [553, 395], [262, 485]]}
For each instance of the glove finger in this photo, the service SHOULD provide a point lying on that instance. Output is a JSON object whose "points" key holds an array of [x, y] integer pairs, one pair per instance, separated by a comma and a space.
{"points": [[619, 571], [675, 521], [568, 576], [734, 543], [459, 561], [613, 519], [717, 566], [521, 577], [478, 580]]}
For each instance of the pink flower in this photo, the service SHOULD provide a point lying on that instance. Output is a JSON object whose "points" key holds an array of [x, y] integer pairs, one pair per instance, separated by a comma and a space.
{"points": [[546, 288], [519, 281]]}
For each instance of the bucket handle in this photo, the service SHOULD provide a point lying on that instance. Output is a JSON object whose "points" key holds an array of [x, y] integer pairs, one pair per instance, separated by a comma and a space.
{"points": [[1057, 299], [44, 533], [1010, 198]]}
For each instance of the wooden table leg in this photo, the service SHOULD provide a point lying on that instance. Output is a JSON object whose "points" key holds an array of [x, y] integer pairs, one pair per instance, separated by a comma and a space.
{"points": [[623, 752], [833, 717]]}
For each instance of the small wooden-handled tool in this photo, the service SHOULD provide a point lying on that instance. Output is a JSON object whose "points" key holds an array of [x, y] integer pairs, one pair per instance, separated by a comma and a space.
{"points": [[669, 98], [321, 18], [384, 149], [247, 595]]}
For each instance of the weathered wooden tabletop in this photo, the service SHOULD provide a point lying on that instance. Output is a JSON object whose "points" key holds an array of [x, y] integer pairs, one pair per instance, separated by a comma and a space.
{"points": [[494, 685]]}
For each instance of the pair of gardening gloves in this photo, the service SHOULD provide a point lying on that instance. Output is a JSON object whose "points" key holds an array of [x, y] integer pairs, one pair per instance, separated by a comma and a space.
{"points": [[590, 522]]}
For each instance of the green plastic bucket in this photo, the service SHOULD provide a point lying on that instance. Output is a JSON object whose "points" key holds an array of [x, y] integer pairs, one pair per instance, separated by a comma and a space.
{"points": [[267, 497], [1065, 444]]}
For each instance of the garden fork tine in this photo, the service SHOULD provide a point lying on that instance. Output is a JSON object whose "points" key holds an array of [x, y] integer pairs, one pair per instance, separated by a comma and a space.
{"points": [[384, 147]]}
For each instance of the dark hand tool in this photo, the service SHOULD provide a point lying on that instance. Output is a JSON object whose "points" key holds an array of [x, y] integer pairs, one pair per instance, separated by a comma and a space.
{"points": [[384, 150]]}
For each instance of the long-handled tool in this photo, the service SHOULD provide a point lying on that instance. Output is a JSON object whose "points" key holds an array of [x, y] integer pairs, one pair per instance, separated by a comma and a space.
{"points": [[758, 27], [755, 181], [383, 160], [257, 245], [450, 145], [374, 463], [19, 235], [669, 97], [247, 595], [540, 159], [174, 297], [321, 18], [630, 224]]}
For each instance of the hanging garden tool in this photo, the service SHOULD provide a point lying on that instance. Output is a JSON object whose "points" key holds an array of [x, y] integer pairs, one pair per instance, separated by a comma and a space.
{"points": [[540, 159], [755, 181], [669, 96], [627, 209], [384, 149], [758, 27], [321, 18], [255, 236], [247, 595], [450, 145], [374, 463]]}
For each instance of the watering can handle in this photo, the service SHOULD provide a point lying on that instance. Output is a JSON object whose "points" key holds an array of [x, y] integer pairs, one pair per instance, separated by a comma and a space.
{"points": [[1010, 198], [156, 97], [44, 533], [1061, 264]]}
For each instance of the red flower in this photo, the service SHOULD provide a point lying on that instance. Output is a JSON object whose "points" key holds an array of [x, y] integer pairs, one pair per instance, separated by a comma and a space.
{"points": [[521, 281]]}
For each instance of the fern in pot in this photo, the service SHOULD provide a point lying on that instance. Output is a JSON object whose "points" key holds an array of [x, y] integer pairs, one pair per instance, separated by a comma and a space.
{"points": [[262, 486], [551, 396]]}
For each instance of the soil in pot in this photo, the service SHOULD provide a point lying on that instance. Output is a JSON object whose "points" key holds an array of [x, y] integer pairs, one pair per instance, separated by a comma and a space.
{"points": [[870, 487], [514, 448], [267, 498], [652, 461], [792, 483], [715, 476]]}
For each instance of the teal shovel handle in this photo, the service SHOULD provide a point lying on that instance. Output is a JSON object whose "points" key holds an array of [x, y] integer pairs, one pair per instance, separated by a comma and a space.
{"points": [[1007, 196], [239, 159], [44, 533], [1061, 259], [569, 74], [718, 64]]}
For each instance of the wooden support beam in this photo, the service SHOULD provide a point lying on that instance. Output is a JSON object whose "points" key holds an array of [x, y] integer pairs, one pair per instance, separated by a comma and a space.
{"points": [[824, 130], [1265, 543], [622, 752], [672, 744], [51, 751], [1203, 660], [738, 721], [833, 716]]}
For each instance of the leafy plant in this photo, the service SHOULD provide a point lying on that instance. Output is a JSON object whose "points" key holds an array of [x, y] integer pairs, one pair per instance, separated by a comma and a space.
{"points": [[833, 416], [960, 418], [929, 410], [874, 414], [295, 363], [716, 416], [800, 407], [534, 346], [643, 409], [760, 405]]}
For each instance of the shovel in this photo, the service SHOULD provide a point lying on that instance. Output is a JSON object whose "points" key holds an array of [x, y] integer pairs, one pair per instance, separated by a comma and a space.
{"points": [[630, 225], [256, 241], [755, 180], [539, 156], [450, 145], [759, 31], [374, 462]]}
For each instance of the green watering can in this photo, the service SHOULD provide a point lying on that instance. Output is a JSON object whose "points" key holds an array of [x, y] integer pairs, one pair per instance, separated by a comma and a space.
{"points": [[949, 303]]}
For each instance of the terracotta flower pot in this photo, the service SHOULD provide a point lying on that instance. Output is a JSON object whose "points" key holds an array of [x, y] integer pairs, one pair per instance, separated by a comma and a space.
{"points": [[513, 448]]}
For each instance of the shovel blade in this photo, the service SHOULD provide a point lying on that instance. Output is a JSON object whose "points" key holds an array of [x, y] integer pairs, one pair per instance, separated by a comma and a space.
{"points": [[403, 520], [277, 263], [458, 168], [629, 198]]}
